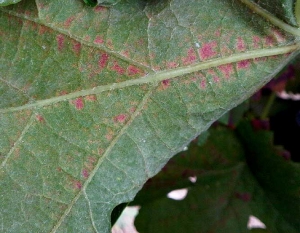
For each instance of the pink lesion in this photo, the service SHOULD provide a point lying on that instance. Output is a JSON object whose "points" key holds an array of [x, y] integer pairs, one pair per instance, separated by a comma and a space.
{"points": [[226, 70], [166, 83], [240, 44], [243, 64], [133, 70], [120, 118], [190, 58], [256, 42], [79, 103], [98, 40], [208, 51], [103, 60], [69, 21], [60, 42], [85, 173], [40, 118], [116, 67], [76, 47]]}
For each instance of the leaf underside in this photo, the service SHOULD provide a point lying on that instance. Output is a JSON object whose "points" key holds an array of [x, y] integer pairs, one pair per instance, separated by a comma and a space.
{"points": [[94, 101]]}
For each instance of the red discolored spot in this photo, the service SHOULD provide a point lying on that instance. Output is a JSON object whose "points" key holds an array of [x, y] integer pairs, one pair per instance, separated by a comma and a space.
{"points": [[203, 84], [98, 40], [116, 67], [79, 104], [102, 63], [240, 44], [243, 64], [76, 47], [226, 70], [99, 8], [190, 58], [216, 79], [40, 118], [60, 42], [208, 50], [87, 38], [69, 21], [246, 197], [77, 184], [133, 70], [42, 30], [120, 118], [269, 41], [166, 83], [85, 173], [256, 41], [172, 64], [91, 98]]}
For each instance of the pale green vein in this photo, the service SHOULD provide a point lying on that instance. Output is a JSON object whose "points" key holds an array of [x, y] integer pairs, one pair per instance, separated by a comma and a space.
{"points": [[155, 77], [28, 125], [103, 157], [84, 42], [271, 18]]}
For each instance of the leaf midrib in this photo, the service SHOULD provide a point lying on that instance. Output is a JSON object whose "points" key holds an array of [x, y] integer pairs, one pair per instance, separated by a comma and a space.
{"points": [[155, 77]]}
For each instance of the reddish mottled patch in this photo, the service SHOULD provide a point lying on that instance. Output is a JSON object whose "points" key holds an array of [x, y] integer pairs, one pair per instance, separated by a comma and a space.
{"points": [[87, 38], [103, 60], [243, 64], [79, 104], [216, 79], [120, 118], [98, 40], [85, 173], [69, 21], [133, 70], [60, 42], [42, 30], [59, 169], [125, 53], [190, 58], [269, 41], [256, 41], [240, 44], [246, 197], [99, 8], [77, 184], [226, 70], [116, 67], [172, 64], [77, 47], [91, 98], [40, 118], [132, 109], [109, 136], [203, 84], [208, 50], [218, 33], [166, 83]]}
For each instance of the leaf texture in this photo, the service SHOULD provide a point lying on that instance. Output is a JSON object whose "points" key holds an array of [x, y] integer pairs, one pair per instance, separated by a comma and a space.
{"points": [[94, 101]]}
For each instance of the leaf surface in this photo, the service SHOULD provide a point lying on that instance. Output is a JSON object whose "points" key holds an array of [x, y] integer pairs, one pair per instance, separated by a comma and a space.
{"points": [[94, 101]]}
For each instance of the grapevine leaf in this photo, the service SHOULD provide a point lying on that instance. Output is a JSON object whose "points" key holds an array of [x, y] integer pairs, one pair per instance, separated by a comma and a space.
{"points": [[94, 101]]}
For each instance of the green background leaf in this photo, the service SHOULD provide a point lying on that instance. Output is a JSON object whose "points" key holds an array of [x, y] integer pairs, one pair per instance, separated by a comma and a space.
{"points": [[228, 188], [94, 101]]}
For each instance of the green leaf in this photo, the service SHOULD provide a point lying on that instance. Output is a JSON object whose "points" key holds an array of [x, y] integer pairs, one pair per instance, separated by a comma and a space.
{"points": [[279, 177], [94, 101], [8, 2], [225, 194], [283, 9]]}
